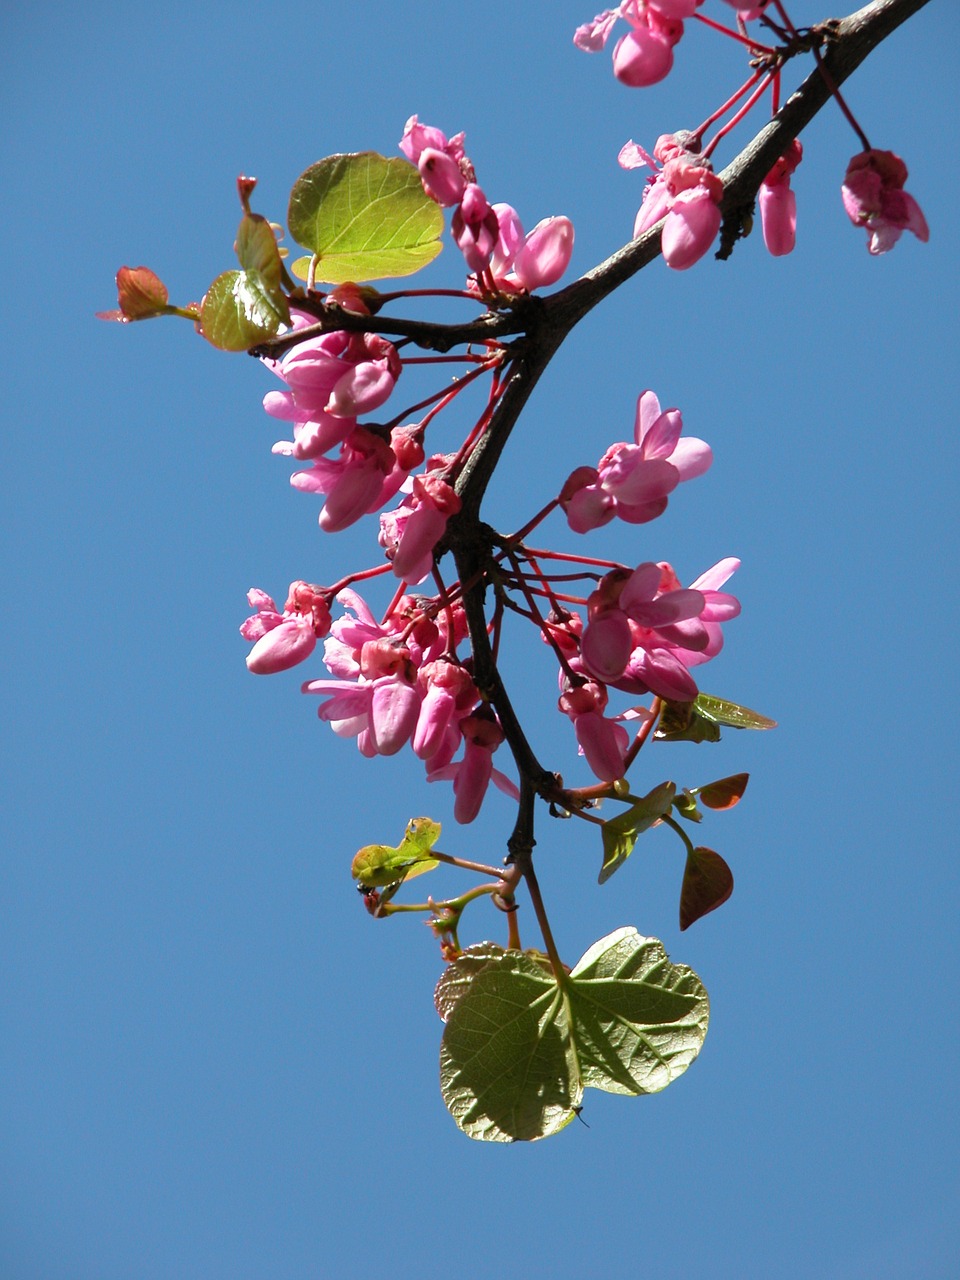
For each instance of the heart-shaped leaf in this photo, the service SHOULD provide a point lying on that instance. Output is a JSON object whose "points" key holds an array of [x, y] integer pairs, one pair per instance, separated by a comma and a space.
{"points": [[520, 1046], [364, 217], [724, 793], [620, 833], [707, 884]]}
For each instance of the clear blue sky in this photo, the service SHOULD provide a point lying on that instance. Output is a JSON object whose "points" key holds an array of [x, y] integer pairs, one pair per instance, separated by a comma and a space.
{"points": [[215, 1066]]}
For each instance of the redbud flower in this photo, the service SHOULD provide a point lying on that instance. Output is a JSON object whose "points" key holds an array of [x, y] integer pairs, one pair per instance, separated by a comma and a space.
{"points": [[473, 774], [281, 640], [778, 203], [634, 481], [686, 192], [354, 482], [441, 176], [602, 741], [874, 198], [409, 534], [475, 228]]}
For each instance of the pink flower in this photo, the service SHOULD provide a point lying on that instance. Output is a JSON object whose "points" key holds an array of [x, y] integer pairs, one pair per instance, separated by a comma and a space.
{"points": [[686, 193], [357, 482], [529, 261], [634, 481], [874, 198], [603, 742], [409, 534], [281, 640], [475, 228], [474, 773], [645, 54], [778, 203]]}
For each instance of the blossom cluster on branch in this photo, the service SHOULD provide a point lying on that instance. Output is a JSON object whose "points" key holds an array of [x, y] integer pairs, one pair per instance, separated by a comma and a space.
{"points": [[628, 637]]}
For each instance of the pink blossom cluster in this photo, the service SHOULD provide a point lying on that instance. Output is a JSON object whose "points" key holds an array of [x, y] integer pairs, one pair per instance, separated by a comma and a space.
{"points": [[684, 192], [396, 683], [490, 236], [331, 380], [643, 634], [633, 481]]}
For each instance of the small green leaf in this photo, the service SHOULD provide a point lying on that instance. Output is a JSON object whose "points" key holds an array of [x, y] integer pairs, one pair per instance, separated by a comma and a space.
{"points": [[700, 720], [364, 217], [520, 1047], [686, 805], [242, 308], [707, 884], [381, 864], [620, 833]]}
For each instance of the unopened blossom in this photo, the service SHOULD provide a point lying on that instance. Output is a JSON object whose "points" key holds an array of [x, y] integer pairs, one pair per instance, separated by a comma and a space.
{"points": [[633, 481], [475, 228], [369, 381], [874, 198], [528, 262], [748, 11], [281, 640], [778, 203], [473, 774]]}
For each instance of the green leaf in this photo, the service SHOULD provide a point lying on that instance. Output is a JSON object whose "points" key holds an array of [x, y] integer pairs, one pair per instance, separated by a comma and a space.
{"points": [[700, 720], [508, 1071], [242, 308], [620, 833], [381, 864], [707, 884], [639, 1021], [363, 217], [458, 975], [520, 1047]]}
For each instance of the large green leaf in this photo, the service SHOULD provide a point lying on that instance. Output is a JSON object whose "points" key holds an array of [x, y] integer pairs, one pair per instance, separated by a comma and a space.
{"points": [[381, 864], [364, 217], [639, 1020], [242, 308], [520, 1047], [620, 834]]}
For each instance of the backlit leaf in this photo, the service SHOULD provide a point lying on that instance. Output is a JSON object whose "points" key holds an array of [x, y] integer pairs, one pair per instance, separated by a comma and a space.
{"points": [[364, 217], [520, 1047], [724, 793], [707, 884], [620, 833], [381, 864]]}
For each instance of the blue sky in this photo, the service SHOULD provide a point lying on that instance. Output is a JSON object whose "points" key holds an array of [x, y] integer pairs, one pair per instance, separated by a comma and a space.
{"points": [[214, 1063]]}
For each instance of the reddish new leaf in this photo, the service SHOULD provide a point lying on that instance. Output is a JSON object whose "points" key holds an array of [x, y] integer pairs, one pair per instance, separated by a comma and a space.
{"points": [[707, 884], [724, 793]]}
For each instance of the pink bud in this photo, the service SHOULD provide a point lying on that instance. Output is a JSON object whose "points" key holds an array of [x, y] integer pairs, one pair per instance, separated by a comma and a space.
{"points": [[282, 647], [441, 177], [690, 228], [778, 218], [546, 252], [642, 58]]}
